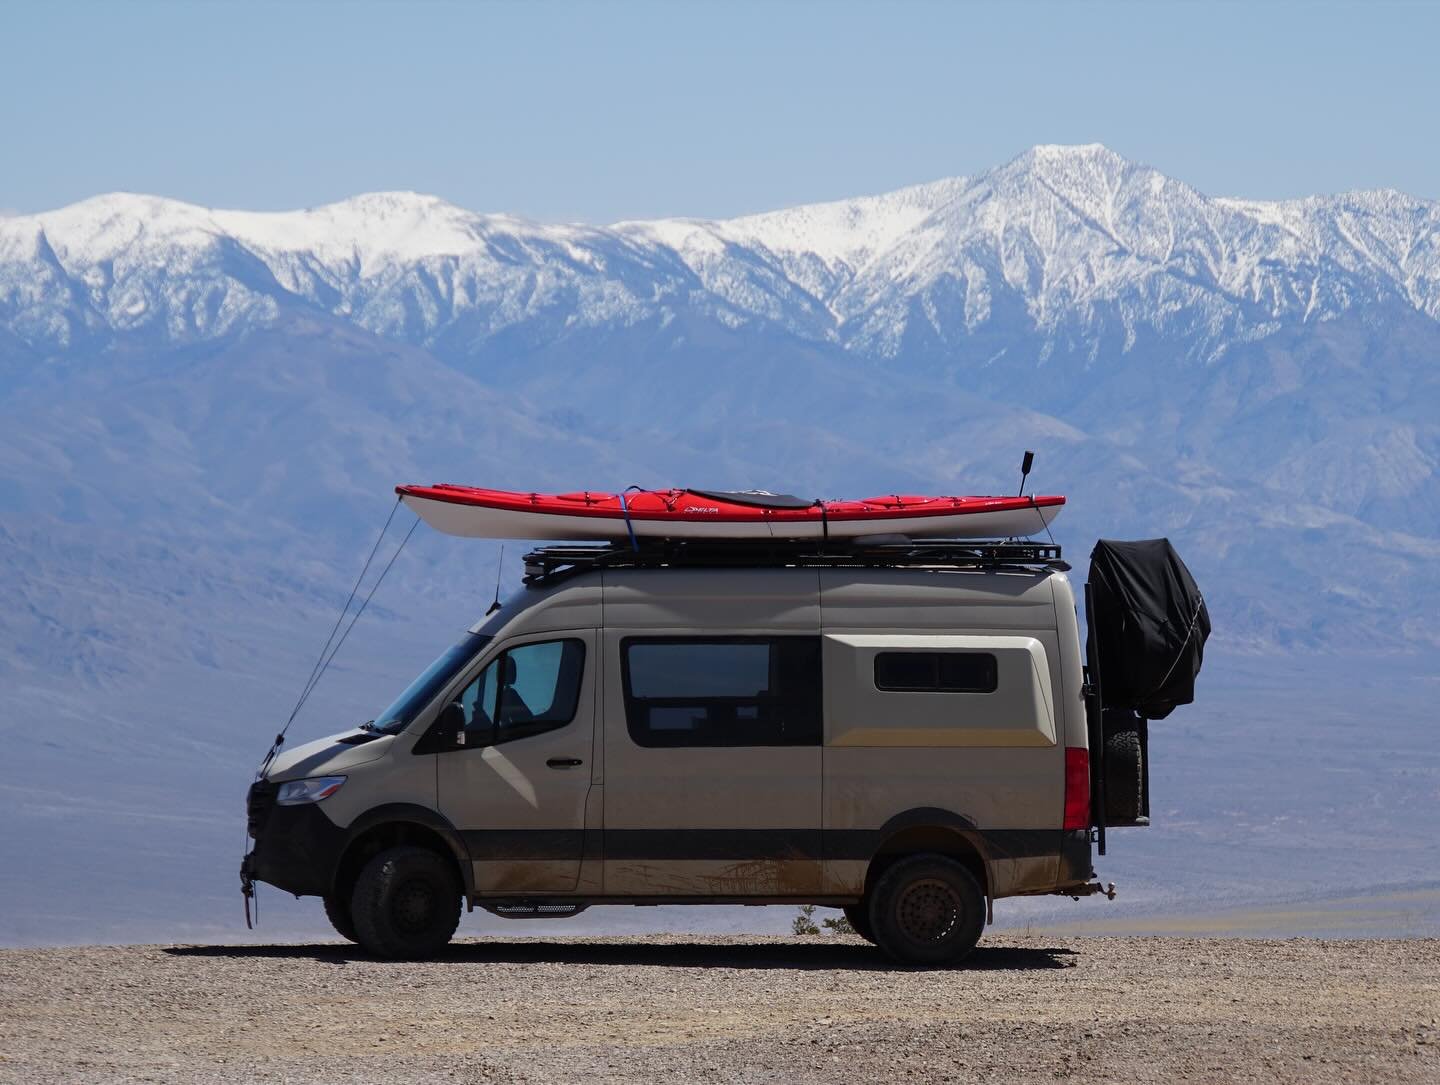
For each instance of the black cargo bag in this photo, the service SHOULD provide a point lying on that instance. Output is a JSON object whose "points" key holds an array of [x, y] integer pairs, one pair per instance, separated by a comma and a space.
{"points": [[1150, 623]]}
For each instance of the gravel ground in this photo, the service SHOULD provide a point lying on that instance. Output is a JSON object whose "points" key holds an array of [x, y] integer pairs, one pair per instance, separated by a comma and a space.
{"points": [[733, 1009]]}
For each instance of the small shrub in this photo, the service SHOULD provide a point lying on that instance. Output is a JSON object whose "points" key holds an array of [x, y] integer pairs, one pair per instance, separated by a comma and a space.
{"points": [[804, 923]]}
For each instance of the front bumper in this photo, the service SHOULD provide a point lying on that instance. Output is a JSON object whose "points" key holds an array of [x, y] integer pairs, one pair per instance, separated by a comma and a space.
{"points": [[297, 848]]}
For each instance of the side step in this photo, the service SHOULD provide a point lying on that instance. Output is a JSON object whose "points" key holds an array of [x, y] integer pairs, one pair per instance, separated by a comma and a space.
{"points": [[532, 909]]}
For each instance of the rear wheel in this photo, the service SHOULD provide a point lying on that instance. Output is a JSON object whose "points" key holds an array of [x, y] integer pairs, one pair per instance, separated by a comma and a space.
{"points": [[406, 903], [858, 915], [927, 909], [337, 910]]}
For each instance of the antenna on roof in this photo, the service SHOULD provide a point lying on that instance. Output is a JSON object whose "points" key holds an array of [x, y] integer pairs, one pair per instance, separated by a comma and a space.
{"points": [[499, 568], [1025, 466]]}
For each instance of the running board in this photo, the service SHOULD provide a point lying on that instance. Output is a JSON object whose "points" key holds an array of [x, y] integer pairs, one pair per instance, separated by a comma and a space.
{"points": [[532, 909]]}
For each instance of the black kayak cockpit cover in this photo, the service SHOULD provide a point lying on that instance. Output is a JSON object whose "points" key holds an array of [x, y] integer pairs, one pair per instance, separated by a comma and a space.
{"points": [[758, 499], [1150, 622]]}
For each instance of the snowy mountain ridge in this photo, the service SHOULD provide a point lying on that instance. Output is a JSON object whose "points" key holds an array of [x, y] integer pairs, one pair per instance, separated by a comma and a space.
{"points": [[1077, 243]]}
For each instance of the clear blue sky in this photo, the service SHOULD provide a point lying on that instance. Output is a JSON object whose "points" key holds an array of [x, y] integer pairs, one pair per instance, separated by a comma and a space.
{"points": [[602, 111]]}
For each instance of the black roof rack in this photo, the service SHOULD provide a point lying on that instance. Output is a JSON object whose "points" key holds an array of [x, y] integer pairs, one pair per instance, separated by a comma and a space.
{"points": [[548, 563]]}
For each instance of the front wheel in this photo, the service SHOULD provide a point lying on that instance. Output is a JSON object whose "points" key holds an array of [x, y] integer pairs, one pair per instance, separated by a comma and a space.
{"points": [[337, 910], [927, 909], [858, 916], [406, 903]]}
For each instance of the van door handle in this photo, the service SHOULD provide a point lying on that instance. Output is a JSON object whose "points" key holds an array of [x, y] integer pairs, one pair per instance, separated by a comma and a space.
{"points": [[564, 762]]}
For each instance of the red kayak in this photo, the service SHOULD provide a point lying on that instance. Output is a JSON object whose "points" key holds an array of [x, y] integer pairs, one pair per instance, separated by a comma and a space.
{"points": [[710, 514]]}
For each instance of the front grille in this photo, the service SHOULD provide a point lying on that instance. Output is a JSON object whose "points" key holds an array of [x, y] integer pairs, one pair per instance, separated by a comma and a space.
{"points": [[258, 804]]}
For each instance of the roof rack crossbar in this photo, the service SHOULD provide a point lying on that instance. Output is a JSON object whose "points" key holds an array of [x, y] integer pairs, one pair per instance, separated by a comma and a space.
{"points": [[550, 562]]}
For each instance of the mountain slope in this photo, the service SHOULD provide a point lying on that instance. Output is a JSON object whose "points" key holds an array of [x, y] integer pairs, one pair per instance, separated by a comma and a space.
{"points": [[1240, 371], [1297, 337], [204, 413]]}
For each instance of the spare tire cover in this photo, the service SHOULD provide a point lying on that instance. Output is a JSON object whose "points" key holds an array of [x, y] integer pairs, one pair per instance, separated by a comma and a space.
{"points": [[1151, 624]]}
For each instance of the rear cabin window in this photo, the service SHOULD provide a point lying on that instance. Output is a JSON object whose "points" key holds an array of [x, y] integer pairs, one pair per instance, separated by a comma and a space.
{"points": [[936, 672], [724, 691]]}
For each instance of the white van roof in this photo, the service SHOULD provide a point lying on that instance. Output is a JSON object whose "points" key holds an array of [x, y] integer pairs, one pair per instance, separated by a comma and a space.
{"points": [[789, 599]]}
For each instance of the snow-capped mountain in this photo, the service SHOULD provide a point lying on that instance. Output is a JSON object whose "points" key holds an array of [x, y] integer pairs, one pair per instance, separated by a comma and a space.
{"points": [[203, 413], [1287, 346], [1215, 365]]}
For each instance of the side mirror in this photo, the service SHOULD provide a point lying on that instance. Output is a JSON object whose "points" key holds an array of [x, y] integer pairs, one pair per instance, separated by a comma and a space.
{"points": [[446, 733], [450, 726]]}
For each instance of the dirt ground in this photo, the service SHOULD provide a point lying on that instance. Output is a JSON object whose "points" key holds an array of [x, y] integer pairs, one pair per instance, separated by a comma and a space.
{"points": [[820, 1009]]}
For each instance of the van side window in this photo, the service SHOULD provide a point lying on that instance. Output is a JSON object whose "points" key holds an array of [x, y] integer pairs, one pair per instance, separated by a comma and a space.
{"points": [[722, 691], [936, 672], [525, 691]]}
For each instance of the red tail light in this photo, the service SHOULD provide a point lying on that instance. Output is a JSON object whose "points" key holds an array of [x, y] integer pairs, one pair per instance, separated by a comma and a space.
{"points": [[1077, 788]]}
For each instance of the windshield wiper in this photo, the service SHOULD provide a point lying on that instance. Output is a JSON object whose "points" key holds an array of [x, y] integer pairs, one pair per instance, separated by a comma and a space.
{"points": [[369, 725]]}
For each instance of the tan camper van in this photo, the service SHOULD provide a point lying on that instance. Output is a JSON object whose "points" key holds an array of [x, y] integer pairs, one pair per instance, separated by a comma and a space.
{"points": [[903, 737]]}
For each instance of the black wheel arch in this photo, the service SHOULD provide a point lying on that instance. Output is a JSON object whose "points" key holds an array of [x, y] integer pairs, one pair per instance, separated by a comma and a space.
{"points": [[395, 824], [934, 830]]}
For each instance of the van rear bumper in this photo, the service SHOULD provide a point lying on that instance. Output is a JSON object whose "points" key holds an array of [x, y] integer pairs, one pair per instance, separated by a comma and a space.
{"points": [[1076, 863]]}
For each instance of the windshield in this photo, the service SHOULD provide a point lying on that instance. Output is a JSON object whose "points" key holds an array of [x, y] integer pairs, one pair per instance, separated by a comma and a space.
{"points": [[434, 678]]}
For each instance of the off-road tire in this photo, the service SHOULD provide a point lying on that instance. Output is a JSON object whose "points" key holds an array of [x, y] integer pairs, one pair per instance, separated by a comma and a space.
{"points": [[406, 903], [927, 909], [337, 910], [1124, 777], [858, 916]]}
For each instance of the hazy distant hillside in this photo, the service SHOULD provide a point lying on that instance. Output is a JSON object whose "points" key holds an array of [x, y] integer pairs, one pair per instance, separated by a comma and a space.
{"points": [[204, 413]]}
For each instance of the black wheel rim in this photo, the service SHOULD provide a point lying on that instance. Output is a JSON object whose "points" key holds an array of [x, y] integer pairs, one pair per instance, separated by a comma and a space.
{"points": [[413, 909], [928, 910]]}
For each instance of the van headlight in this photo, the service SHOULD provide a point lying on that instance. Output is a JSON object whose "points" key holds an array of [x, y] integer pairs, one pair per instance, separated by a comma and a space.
{"points": [[300, 792]]}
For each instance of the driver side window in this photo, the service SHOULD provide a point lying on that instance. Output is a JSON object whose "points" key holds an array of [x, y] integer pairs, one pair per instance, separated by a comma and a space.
{"points": [[524, 691]]}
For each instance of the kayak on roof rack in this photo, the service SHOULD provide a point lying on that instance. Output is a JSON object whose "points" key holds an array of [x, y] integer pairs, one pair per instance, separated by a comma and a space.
{"points": [[713, 514]]}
